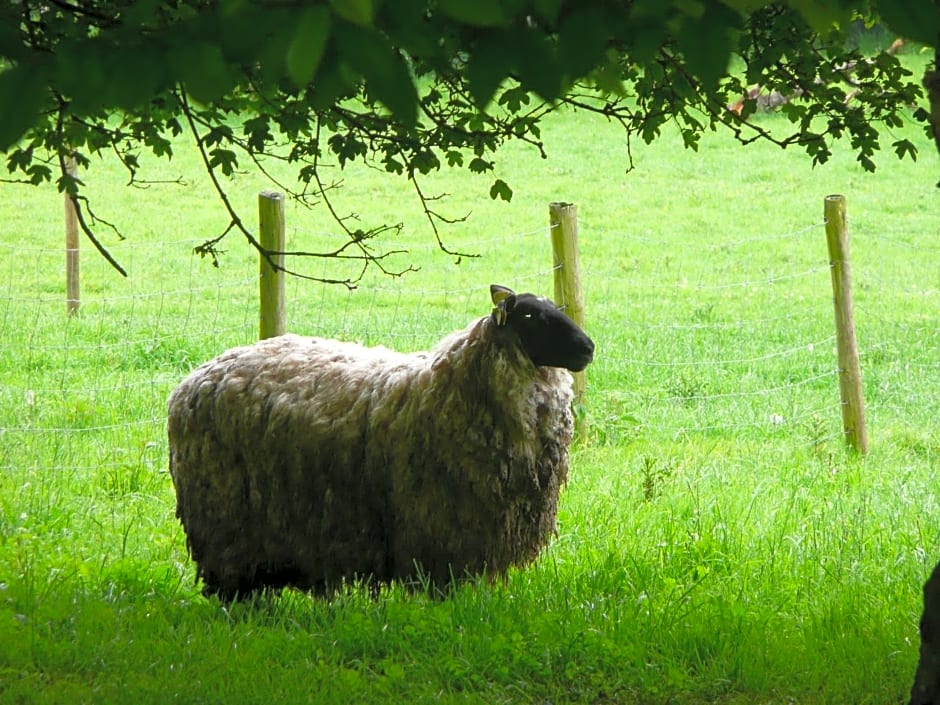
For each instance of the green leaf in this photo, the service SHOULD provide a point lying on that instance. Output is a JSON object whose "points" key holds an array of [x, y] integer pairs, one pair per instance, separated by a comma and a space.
{"points": [[418, 39], [22, 94], [141, 13], [134, 77], [706, 44], [645, 37], [488, 65], [203, 69], [19, 159], [394, 166], [822, 16], [693, 9], [388, 80], [514, 98], [905, 148], [424, 161], [258, 132], [478, 165], [912, 19], [307, 45], [581, 40], [347, 148], [39, 173], [746, 7], [537, 64], [333, 83], [608, 77], [478, 13], [225, 159], [11, 45], [359, 12], [500, 189], [547, 9]]}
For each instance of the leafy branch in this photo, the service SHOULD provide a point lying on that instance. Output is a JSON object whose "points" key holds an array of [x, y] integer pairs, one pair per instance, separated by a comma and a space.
{"points": [[357, 239], [313, 87]]}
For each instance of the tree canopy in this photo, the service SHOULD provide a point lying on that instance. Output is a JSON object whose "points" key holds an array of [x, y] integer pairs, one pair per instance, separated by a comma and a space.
{"points": [[413, 85]]}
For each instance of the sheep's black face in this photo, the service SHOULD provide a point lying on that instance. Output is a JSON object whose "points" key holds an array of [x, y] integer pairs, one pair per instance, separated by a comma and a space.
{"points": [[548, 336]]}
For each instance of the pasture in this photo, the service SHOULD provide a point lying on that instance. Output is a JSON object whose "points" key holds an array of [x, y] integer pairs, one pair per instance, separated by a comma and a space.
{"points": [[717, 543]]}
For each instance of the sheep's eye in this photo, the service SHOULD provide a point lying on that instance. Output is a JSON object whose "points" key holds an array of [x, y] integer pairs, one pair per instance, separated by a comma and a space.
{"points": [[527, 315]]}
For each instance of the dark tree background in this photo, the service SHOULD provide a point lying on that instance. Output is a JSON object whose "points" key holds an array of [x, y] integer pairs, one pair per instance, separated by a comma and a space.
{"points": [[414, 85]]}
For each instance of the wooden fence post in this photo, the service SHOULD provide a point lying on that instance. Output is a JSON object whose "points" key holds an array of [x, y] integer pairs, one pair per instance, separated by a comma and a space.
{"points": [[72, 280], [563, 218], [272, 239], [850, 373]]}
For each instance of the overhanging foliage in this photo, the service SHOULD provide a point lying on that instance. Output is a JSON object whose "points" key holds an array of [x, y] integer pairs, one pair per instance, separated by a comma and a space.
{"points": [[411, 85]]}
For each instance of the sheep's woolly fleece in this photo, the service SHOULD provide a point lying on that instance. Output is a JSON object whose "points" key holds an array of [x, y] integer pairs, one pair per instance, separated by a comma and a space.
{"points": [[311, 462]]}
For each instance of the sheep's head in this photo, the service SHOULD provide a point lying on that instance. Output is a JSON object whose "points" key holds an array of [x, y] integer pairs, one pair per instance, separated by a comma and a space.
{"points": [[547, 335]]}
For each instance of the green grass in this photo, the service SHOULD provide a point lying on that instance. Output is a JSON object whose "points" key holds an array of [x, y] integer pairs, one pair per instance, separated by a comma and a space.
{"points": [[716, 543]]}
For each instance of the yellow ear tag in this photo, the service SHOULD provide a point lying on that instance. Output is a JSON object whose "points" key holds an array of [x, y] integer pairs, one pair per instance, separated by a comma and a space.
{"points": [[499, 294]]}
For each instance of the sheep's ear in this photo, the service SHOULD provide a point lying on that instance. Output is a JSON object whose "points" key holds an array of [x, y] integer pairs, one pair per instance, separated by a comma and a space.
{"points": [[504, 299], [500, 293]]}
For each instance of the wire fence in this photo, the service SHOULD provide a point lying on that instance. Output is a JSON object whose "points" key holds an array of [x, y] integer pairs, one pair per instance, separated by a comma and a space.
{"points": [[729, 341]]}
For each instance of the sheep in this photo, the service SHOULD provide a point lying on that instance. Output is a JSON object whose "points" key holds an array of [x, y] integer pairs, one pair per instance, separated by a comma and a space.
{"points": [[926, 688], [314, 463]]}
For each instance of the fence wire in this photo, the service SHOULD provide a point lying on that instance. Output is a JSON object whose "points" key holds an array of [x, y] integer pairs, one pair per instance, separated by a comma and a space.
{"points": [[734, 340]]}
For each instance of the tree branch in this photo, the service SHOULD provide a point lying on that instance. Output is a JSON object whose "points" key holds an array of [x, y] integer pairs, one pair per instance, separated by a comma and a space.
{"points": [[69, 185], [236, 222]]}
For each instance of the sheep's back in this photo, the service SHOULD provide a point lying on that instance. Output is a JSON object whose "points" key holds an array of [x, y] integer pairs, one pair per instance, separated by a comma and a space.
{"points": [[267, 456]]}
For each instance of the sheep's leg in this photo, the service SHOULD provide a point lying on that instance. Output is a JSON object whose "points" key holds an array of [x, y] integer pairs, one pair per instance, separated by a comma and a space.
{"points": [[225, 592]]}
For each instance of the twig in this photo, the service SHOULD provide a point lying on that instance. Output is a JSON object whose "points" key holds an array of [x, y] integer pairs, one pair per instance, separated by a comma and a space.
{"points": [[70, 188], [236, 222], [431, 215]]}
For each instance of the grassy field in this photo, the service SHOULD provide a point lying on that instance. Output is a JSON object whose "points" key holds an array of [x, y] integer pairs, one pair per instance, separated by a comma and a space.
{"points": [[716, 543]]}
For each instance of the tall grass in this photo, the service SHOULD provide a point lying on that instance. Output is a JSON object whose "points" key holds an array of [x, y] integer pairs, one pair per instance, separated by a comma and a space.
{"points": [[716, 543]]}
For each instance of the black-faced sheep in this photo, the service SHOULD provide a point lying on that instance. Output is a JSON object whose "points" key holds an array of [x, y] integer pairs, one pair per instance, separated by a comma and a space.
{"points": [[311, 463], [926, 689]]}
